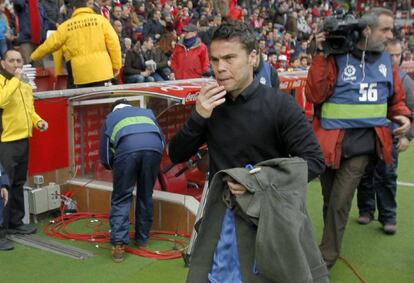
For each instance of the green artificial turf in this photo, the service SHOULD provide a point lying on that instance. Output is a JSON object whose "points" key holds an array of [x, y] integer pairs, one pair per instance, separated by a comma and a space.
{"points": [[377, 257]]}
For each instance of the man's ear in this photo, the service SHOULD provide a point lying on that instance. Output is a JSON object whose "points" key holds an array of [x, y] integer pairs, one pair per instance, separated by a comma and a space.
{"points": [[2, 64], [253, 57], [367, 31]]}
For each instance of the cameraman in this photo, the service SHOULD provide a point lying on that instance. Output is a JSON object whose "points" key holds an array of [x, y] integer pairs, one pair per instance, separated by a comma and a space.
{"points": [[354, 94]]}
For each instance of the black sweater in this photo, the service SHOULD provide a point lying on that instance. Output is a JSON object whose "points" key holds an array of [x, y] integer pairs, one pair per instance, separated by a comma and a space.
{"points": [[260, 124]]}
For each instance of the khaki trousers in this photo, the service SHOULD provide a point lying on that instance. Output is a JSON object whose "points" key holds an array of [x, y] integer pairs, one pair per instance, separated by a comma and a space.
{"points": [[338, 189]]}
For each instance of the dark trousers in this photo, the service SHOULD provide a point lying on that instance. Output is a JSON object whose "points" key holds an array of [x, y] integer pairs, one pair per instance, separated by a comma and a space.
{"points": [[14, 157], [141, 168], [2, 231], [379, 184], [338, 188]]}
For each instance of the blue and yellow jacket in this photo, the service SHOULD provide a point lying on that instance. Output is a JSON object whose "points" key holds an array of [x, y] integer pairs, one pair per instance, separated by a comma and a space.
{"points": [[127, 130]]}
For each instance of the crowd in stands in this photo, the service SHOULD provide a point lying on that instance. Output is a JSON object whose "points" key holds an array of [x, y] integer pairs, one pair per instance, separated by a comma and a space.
{"points": [[169, 39]]}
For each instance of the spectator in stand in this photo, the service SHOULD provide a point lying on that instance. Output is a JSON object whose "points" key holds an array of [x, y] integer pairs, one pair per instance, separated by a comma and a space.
{"points": [[103, 8], [304, 29], [301, 48], [140, 11], [283, 63], [157, 61], [304, 58], [118, 29], [292, 24], [154, 27], [190, 57], [290, 44], [168, 41], [92, 64], [379, 183], [182, 19], [128, 26], [116, 13], [255, 20], [205, 31], [135, 70], [52, 13], [4, 31], [273, 59], [32, 27]]}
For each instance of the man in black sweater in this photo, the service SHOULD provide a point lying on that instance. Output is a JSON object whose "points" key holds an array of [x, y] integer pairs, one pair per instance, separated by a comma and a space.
{"points": [[243, 122]]}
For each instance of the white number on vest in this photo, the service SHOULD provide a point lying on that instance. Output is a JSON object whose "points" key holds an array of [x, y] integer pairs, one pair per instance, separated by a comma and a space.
{"points": [[368, 92]]}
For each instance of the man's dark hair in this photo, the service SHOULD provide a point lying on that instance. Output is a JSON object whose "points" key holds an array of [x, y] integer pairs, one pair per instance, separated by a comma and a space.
{"points": [[5, 55], [78, 3], [146, 38], [236, 30], [119, 101]]}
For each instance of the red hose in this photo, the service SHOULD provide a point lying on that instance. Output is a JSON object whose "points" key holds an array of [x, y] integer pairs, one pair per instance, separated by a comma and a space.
{"points": [[58, 228]]}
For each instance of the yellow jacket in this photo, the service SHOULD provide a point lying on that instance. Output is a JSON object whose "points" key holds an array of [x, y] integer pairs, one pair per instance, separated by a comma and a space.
{"points": [[89, 42], [18, 115]]}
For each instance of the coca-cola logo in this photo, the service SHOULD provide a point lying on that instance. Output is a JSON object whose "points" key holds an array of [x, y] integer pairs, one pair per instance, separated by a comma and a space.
{"points": [[191, 97]]}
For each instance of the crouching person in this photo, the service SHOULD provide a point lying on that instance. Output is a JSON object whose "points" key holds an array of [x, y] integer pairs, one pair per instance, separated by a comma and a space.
{"points": [[131, 146]]}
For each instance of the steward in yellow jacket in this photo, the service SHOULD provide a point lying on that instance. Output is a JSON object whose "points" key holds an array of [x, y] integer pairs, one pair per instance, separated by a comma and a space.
{"points": [[17, 117], [90, 44]]}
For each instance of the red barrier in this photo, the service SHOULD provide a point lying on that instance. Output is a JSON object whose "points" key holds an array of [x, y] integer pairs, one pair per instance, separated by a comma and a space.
{"points": [[49, 150]]}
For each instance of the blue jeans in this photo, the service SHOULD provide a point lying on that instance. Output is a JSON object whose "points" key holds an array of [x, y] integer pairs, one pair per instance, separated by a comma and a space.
{"points": [[379, 184], [130, 79], [141, 168]]}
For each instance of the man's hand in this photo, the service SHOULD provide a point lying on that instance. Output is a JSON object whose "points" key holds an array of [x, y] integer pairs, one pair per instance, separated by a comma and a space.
{"points": [[116, 72], [403, 144], [211, 96], [19, 74], [145, 73], [235, 188], [320, 39], [4, 195], [404, 123], [42, 125]]}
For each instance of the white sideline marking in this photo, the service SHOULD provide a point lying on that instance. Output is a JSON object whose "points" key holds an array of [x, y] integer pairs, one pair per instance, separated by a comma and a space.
{"points": [[406, 184]]}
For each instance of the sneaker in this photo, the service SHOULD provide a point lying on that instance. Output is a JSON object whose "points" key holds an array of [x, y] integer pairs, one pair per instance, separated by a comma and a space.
{"points": [[389, 229], [6, 244], [118, 252], [24, 229], [364, 219]]}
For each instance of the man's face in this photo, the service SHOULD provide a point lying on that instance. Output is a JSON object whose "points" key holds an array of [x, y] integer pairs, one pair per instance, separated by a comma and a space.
{"points": [[13, 61], [232, 66], [157, 15], [395, 51], [117, 12], [149, 44], [89, 4], [380, 34], [189, 34], [118, 27]]}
